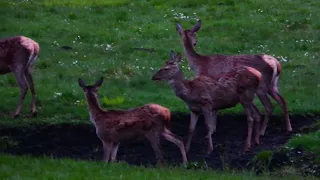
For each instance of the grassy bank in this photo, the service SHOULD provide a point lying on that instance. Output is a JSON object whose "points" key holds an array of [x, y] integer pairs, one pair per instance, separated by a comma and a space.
{"points": [[102, 33], [24, 167]]}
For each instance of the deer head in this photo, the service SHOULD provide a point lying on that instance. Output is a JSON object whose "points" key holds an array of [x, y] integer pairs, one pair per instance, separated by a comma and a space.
{"points": [[91, 89], [170, 68], [189, 35]]}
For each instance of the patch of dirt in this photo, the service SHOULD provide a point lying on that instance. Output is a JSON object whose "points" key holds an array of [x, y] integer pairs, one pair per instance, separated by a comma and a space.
{"points": [[80, 141]]}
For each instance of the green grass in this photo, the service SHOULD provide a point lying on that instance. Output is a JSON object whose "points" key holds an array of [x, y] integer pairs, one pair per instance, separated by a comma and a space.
{"points": [[102, 33], [310, 142], [25, 167]]}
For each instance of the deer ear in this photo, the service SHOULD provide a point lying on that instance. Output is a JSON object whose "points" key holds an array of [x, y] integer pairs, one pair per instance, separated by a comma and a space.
{"points": [[99, 82], [179, 28], [81, 83], [178, 57], [172, 55], [196, 27]]}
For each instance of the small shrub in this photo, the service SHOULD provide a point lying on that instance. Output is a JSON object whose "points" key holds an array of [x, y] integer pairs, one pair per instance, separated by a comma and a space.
{"points": [[262, 161], [112, 101], [6, 142]]}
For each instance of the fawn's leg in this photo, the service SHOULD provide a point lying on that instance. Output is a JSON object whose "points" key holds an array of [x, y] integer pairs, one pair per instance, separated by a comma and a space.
{"points": [[248, 110], [214, 117], [262, 94], [168, 135], [29, 78], [209, 121], [154, 139], [114, 151], [193, 122], [257, 118], [107, 147], [20, 78]]}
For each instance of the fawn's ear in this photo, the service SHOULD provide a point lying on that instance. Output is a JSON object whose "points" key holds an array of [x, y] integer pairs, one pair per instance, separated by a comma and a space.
{"points": [[179, 28], [81, 83], [98, 83], [178, 58], [172, 55], [196, 27]]}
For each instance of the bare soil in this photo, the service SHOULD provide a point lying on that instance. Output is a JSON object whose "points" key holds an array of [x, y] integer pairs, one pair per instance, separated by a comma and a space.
{"points": [[79, 141]]}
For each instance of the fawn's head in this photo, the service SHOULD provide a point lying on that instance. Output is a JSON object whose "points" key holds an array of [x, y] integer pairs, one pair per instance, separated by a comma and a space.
{"points": [[170, 68], [91, 89], [189, 34]]}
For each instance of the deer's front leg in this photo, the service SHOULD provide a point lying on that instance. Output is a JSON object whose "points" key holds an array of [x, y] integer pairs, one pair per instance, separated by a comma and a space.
{"points": [[193, 122], [210, 123]]}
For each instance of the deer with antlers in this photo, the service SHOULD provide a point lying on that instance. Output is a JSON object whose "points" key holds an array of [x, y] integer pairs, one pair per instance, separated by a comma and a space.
{"points": [[18, 55], [114, 126], [213, 65], [206, 95]]}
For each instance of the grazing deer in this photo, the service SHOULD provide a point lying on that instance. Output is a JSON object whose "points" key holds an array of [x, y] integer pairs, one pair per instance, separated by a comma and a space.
{"points": [[213, 65], [17, 55], [114, 126], [206, 95]]}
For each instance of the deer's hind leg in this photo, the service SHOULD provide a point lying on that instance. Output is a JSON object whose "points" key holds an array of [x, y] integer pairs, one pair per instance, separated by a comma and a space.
{"points": [[153, 137], [168, 135], [275, 94], [28, 75], [18, 71]]}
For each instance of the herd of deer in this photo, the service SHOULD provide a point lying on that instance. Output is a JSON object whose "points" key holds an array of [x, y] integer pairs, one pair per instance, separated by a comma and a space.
{"points": [[222, 81]]}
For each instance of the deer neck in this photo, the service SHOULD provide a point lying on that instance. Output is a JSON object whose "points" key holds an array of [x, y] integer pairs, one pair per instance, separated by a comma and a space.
{"points": [[190, 52], [178, 85], [94, 107]]}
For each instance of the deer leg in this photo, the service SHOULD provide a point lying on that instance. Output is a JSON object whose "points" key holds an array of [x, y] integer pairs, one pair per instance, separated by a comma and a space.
{"points": [[114, 151], [168, 135], [268, 108], [20, 78], [193, 122], [275, 94], [257, 119], [214, 117], [207, 112], [29, 78], [154, 139], [107, 147], [248, 111]]}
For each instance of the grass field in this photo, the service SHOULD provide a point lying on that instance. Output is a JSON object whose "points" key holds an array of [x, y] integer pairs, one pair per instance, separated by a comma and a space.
{"points": [[26, 167], [103, 33]]}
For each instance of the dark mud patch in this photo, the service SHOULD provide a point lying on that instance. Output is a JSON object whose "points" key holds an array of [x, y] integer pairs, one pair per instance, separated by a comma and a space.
{"points": [[79, 141]]}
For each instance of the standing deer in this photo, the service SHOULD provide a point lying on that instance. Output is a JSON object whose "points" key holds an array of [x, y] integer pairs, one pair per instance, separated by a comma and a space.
{"points": [[213, 65], [17, 55], [206, 95], [114, 126]]}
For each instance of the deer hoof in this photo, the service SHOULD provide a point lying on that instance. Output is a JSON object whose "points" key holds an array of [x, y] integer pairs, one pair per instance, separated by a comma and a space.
{"points": [[257, 142], [34, 114], [289, 132], [246, 149], [16, 116]]}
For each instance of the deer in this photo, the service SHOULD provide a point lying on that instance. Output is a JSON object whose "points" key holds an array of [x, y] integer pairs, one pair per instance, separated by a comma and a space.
{"points": [[206, 95], [18, 55], [114, 126], [213, 65]]}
